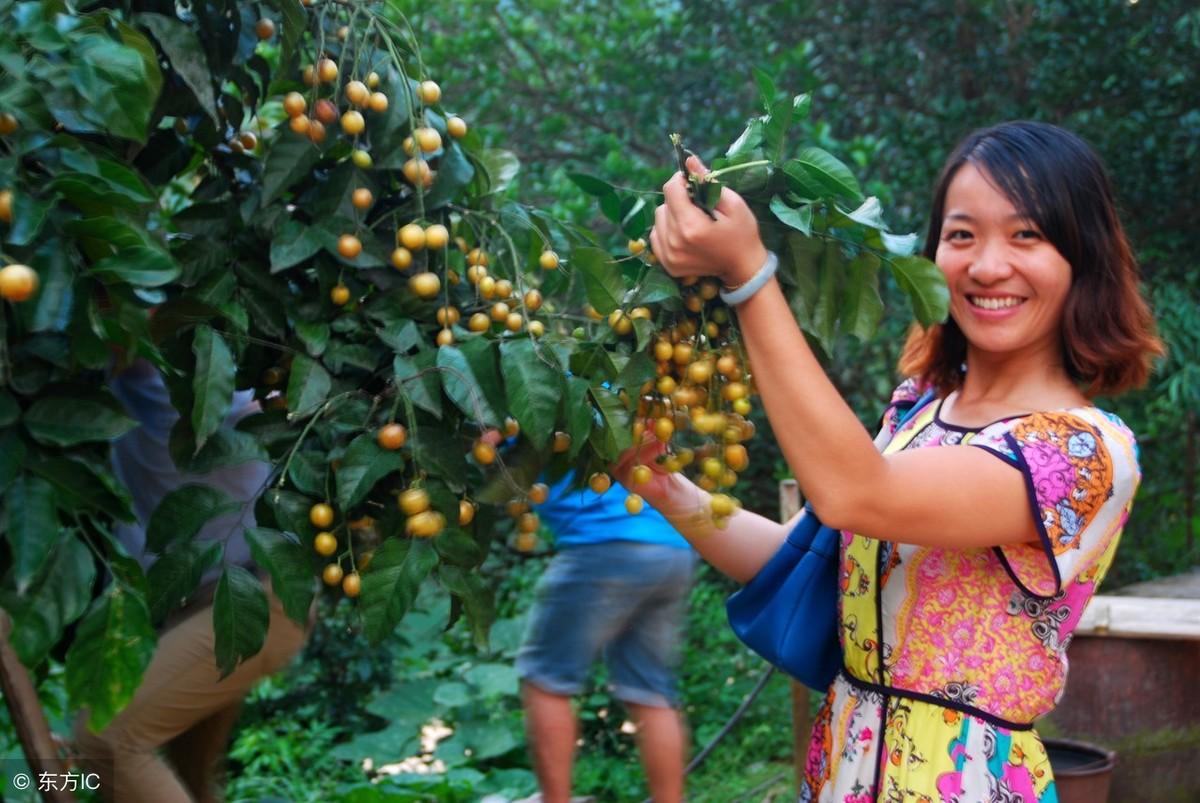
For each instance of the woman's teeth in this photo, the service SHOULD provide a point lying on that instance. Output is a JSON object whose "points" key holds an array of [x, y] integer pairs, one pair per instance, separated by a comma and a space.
{"points": [[995, 303]]}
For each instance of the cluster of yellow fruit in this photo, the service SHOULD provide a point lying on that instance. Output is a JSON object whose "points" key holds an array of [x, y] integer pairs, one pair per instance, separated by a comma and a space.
{"points": [[326, 544]]}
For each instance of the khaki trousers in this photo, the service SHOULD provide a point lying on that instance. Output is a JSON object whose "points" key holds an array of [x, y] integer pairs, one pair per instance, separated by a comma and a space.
{"points": [[185, 707]]}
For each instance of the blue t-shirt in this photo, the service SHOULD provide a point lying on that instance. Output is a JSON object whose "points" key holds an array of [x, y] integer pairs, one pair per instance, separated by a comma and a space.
{"points": [[582, 516]]}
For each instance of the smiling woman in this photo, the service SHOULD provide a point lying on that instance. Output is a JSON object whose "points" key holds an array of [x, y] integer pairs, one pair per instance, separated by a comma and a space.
{"points": [[975, 530]]}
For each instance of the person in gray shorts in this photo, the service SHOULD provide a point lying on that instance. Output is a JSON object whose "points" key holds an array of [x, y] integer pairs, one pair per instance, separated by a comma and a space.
{"points": [[618, 587]]}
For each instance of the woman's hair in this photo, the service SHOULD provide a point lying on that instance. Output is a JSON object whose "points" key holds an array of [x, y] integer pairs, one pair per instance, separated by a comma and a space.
{"points": [[1055, 179]]}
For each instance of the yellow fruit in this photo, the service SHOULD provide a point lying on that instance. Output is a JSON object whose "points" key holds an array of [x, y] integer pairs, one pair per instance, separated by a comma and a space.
{"points": [[666, 385], [722, 505], [378, 102], [516, 507], [340, 294], [417, 171], [700, 372], [327, 70], [343, 33], [17, 282], [526, 542], [479, 322], [736, 457], [533, 300], [512, 427], [528, 523], [562, 441], [663, 350], [634, 504], [332, 574], [325, 544], [466, 513], [620, 322], [412, 236], [727, 365], [8, 124], [641, 475], [536, 328], [402, 258], [372, 80], [487, 285], [664, 429], [445, 337], [299, 125], [414, 500], [637, 246], [362, 159], [504, 288], [428, 139], [477, 256], [264, 29], [321, 515], [437, 236], [456, 127], [499, 311], [425, 524], [408, 145], [448, 316], [712, 467], [353, 123], [425, 285], [709, 289], [514, 322], [248, 140], [316, 131], [539, 492], [485, 453], [392, 436], [362, 198], [548, 260], [430, 92], [599, 482], [349, 246], [326, 112], [352, 585], [357, 93], [742, 407], [309, 76]]}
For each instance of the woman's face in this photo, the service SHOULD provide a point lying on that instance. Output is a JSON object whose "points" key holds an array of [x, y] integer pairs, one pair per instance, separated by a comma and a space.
{"points": [[1008, 284]]}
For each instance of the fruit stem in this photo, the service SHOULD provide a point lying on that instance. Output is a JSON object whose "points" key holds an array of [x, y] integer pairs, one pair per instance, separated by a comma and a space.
{"points": [[711, 176]]}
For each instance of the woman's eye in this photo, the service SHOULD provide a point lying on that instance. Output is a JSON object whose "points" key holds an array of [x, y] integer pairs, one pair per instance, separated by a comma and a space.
{"points": [[958, 234], [1029, 234]]}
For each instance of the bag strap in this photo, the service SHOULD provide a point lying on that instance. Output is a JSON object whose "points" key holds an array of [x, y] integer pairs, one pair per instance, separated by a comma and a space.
{"points": [[926, 397]]}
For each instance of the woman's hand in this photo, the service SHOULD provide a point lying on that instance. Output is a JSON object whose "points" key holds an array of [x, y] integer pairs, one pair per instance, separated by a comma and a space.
{"points": [[689, 243]]}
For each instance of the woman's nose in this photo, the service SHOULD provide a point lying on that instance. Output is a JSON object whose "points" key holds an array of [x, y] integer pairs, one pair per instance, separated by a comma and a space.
{"points": [[991, 264]]}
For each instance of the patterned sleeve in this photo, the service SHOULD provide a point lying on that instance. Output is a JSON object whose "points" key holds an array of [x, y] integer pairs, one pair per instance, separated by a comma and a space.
{"points": [[903, 397], [1081, 473]]}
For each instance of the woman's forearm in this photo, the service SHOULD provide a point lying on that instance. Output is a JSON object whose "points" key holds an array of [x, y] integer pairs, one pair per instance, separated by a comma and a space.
{"points": [[738, 550], [830, 453]]}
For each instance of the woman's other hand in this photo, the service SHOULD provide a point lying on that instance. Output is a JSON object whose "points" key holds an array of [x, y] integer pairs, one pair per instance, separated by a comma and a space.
{"points": [[690, 243]]}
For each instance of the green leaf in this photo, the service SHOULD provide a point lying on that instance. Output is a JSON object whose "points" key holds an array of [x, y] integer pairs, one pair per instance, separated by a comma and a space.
{"points": [[577, 409], [288, 563], [900, 244], [59, 421], [439, 453], [820, 174], [869, 213], [464, 387], [417, 377], [183, 512], [825, 309], [315, 337], [120, 80], [925, 286], [452, 695], [533, 388], [501, 166], [112, 648], [459, 548], [12, 456], [657, 286], [241, 615], [400, 336], [10, 411], [84, 487], [176, 575], [364, 464], [601, 278], [292, 244], [614, 435], [308, 386], [799, 219], [294, 19], [290, 159], [767, 90], [750, 139], [28, 214], [307, 472], [140, 266], [58, 597], [226, 447], [212, 383], [476, 597], [861, 307], [390, 585], [186, 54], [593, 186], [494, 680], [454, 172]]}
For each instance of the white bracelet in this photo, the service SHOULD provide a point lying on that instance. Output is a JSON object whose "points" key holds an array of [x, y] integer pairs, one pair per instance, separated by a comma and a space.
{"points": [[756, 282]]}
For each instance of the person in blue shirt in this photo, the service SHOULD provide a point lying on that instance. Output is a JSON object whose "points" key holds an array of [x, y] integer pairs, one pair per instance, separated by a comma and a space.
{"points": [[618, 587]]}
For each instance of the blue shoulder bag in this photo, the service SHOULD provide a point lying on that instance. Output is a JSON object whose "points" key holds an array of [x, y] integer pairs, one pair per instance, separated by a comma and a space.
{"points": [[788, 612]]}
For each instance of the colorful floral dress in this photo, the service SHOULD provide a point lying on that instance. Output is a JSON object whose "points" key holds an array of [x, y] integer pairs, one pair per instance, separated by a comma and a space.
{"points": [[951, 654]]}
